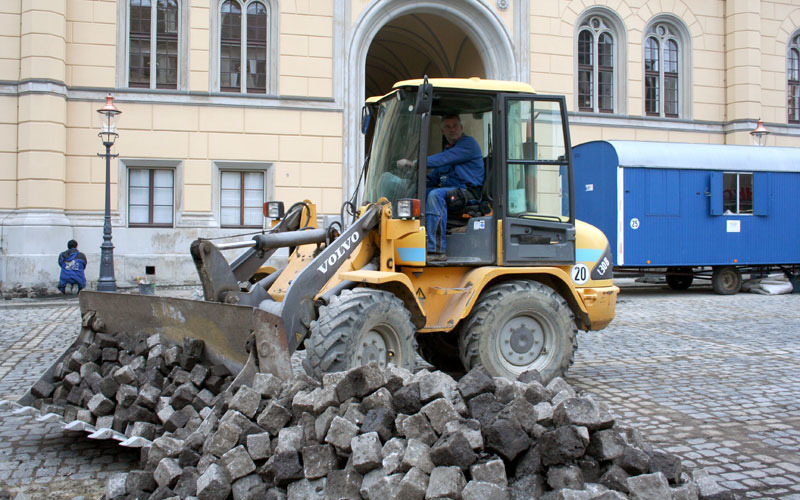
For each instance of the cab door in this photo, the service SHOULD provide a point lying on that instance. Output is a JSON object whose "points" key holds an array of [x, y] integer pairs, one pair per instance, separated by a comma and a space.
{"points": [[537, 206]]}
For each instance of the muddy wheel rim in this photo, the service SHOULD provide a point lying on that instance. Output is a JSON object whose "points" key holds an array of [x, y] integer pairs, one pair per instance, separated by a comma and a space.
{"points": [[523, 340], [378, 345]]}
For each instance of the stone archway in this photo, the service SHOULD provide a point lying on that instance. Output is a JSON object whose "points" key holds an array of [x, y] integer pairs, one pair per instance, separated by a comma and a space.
{"points": [[419, 44], [482, 44]]}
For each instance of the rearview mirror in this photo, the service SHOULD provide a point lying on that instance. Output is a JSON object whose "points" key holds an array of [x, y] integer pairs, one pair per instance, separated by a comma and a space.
{"points": [[366, 116], [424, 98]]}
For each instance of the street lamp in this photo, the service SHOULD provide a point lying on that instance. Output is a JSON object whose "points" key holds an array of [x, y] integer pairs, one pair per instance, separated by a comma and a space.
{"points": [[108, 134], [759, 133]]}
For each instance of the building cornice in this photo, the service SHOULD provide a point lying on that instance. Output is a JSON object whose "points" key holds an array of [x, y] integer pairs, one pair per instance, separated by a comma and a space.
{"points": [[147, 96], [677, 124], [218, 99]]}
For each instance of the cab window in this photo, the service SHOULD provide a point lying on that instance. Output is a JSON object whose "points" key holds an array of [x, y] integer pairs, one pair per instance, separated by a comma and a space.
{"points": [[538, 183]]}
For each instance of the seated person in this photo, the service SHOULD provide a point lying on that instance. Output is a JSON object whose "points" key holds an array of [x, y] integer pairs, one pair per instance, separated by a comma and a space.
{"points": [[72, 263], [460, 165]]}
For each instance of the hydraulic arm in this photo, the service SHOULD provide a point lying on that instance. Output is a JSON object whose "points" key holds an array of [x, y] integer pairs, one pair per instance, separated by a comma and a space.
{"points": [[221, 280]]}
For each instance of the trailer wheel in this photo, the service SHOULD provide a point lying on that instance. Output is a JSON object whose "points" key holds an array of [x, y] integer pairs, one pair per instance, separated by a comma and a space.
{"points": [[519, 326], [726, 280], [679, 278], [440, 350], [360, 326]]}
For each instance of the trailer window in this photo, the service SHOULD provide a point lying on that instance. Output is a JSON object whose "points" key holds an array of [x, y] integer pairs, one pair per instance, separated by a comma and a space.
{"points": [[737, 193]]}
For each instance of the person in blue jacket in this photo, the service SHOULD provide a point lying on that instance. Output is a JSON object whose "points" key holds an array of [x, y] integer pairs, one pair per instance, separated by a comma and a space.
{"points": [[73, 264], [460, 165]]}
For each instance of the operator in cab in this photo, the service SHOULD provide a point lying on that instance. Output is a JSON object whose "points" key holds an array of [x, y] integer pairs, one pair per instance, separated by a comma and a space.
{"points": [[459, 166]]}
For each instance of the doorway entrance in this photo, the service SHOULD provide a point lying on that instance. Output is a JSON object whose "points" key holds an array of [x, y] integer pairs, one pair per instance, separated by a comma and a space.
{"points": [[416, 45], [406, 39]]}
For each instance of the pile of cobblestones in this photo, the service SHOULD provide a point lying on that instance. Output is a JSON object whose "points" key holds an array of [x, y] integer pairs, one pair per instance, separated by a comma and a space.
{"points": [[136, 385], [366, 433], [380, 434]]}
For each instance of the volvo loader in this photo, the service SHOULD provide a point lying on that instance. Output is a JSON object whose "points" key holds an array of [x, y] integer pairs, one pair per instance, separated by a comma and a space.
{"points": [[521, 275]]}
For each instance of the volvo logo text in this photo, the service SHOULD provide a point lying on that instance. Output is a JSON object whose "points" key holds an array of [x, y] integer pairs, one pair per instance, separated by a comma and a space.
{"points": [[341, 250]]}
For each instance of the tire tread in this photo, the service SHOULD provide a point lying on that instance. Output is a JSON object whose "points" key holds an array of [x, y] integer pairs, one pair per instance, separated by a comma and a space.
{"points": [[330, 343]]}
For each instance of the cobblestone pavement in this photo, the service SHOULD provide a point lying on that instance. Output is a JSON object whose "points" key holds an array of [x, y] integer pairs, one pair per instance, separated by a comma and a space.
{"points": [[40, 459], [713, 379]]}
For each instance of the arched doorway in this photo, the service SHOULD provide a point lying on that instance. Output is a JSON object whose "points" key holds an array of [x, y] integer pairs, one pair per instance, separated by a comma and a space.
{"points": [[419, 44], [405, 39]]}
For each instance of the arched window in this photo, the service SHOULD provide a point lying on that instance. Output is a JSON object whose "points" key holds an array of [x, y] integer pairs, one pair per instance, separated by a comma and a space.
{"points": [[793, 79], [153, 44], [595, 67], [600, 41], [243, 38], [662, 71]]}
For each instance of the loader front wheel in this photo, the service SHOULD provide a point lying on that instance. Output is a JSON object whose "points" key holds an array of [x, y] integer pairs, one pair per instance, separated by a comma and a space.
{"points": [[358, 327], [519, 326]]}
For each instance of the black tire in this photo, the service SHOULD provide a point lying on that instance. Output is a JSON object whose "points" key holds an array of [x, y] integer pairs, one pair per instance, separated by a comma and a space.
{"points": [[679, 278], [358, 327], [441, 350], [545, 338], [726, 280]]}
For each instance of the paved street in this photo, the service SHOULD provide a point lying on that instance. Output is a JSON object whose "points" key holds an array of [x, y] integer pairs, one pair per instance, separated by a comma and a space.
{"points": [[40, 459], [713, 379]]}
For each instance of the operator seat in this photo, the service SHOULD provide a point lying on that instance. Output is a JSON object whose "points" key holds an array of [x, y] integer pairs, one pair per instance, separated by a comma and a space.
{"points": [[478, 203]]}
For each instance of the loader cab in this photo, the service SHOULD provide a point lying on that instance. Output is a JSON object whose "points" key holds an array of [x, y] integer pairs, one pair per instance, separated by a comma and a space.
{"points": [[525, 197]]}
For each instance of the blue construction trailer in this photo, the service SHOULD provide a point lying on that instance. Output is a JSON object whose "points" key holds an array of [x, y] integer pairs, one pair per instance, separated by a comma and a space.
{"points": [[692, 210]]}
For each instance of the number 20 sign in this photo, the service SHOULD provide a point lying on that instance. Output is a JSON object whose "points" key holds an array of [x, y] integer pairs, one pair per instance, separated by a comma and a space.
{"points": [[580, 274]]}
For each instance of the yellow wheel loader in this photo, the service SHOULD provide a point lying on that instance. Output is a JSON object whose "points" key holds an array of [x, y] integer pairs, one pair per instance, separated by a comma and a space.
{"points": [[520, 277]]}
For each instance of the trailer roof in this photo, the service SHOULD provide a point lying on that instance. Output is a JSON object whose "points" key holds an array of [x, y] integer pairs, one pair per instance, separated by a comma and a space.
{"points": [[724, 157]]}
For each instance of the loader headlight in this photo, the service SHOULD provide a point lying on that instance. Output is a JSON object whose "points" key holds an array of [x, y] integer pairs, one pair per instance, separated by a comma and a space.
{"points": [[407, 208], [273, 209]]}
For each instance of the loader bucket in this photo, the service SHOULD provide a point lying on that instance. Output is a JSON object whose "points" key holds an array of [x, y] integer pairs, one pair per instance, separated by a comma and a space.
{"points": [[230, 332]]}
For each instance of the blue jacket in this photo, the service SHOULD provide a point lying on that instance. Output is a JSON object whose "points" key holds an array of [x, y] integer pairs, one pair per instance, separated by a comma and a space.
{"points": [[459, 165], [73, 264]]}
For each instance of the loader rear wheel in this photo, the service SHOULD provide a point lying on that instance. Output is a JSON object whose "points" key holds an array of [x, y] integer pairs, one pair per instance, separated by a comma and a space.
{"points": [[726, 280], [519, 326], [358, 327]]}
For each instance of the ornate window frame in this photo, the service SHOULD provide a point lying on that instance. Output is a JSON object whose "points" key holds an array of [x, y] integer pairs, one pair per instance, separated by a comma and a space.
{"points": [[123, 46], [793, 78], [273, 38], [597, 22], [671, 39]]}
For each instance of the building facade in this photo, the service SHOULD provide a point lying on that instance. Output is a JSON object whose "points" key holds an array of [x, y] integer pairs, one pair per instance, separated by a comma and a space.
{"points": [[228, 103]]}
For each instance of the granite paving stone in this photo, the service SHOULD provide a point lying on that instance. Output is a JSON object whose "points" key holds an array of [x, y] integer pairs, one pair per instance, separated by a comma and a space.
{"points": [[710, 378]]}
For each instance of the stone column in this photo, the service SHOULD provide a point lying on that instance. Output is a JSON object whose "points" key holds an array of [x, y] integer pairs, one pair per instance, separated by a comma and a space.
{"points": [[38, 230], [743, 67]]}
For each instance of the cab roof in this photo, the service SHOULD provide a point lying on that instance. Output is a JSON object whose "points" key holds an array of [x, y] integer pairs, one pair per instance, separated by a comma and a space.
{"points": [[473, 83]]}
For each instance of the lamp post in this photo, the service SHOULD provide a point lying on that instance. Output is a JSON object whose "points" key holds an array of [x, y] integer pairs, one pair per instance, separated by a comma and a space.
{"points": [[108, 134], [759, 134]]}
